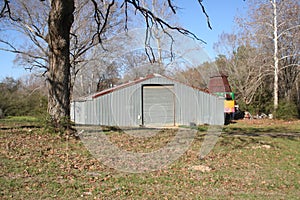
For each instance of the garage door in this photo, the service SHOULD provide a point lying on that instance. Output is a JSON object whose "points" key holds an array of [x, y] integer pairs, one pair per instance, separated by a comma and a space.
{"points": [[158, 105]]}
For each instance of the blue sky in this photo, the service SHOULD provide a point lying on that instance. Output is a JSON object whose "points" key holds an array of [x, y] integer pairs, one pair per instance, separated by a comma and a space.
{"points": [[221, 14], [190, 16]]}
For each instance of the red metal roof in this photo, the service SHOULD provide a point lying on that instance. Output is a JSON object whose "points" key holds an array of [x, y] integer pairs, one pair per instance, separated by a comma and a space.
{"points": [[109, 90], [124, 85], [219, 84]]}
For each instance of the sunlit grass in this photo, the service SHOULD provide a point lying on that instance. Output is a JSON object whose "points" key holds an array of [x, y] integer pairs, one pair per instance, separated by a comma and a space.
{"points": [[20, 119], [36, 165]]}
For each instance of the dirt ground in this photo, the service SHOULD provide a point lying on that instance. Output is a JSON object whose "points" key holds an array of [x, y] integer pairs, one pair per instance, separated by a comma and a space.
{"points": [[267, 122]]}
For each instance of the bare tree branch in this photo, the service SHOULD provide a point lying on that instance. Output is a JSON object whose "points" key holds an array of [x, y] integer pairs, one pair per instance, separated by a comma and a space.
{"points": [[172, 6], [205, 13], [151, 17], [151, 21], [6, 11], [35, 58], [101, 19]]}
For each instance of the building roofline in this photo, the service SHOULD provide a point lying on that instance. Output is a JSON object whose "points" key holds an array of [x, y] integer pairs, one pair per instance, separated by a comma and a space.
{"points": [[219, 75], [130, 83], [124, 85], [196, 88]]}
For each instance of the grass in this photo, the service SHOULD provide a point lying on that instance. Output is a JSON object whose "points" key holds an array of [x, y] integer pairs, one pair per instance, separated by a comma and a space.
{"points": [[19, 122], [261, 126], [247, 163], [19, 119]]}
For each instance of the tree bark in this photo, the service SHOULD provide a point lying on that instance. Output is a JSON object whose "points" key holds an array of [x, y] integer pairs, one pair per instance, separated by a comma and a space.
{"points": [[275, 56], [298, 93], [59, 25]]}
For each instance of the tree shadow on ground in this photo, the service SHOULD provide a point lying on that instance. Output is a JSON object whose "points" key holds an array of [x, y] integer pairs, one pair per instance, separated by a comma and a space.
{"points": [[265, 133]]}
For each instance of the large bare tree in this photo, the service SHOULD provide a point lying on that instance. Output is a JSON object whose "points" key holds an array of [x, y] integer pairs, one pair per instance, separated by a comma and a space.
{"points": [[31, 45], [60, 21], [263, 53], [274, 27], [242, 63]]}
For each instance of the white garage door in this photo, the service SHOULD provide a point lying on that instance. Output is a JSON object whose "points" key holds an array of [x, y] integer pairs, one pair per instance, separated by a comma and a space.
{"points": [[158, 105]]}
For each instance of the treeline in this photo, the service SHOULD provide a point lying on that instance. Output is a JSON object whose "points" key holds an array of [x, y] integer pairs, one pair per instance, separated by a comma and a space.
{"points": [[22, 97], [261, 58]]}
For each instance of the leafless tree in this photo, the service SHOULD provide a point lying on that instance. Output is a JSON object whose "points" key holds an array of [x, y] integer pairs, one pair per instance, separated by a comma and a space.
{"points": [[263, 50], [274, 26], [242, 64], [60, 21]]}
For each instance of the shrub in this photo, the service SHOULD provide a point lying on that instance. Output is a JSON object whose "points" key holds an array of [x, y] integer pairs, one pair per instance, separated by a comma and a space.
{"points": [[286, 110]]}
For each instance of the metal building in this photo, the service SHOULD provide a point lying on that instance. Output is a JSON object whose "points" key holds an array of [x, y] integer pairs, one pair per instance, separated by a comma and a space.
{"points": [[155, 100]]}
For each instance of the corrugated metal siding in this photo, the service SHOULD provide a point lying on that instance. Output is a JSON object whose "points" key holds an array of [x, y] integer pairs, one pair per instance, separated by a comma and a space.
{"points": [[158, 105], [78, 112], [123, 107]]}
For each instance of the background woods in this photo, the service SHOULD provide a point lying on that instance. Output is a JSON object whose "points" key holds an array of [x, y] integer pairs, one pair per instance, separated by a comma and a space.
{"points": [[58, 30], [261, 55]]}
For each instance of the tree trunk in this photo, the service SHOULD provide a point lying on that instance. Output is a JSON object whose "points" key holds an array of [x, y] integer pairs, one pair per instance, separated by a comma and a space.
{"points": [[276, 60], [298, 93], [59, 25]]}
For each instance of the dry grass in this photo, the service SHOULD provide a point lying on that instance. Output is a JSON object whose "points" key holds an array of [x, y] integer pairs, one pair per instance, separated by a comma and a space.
{"points": [[247, 163]]}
